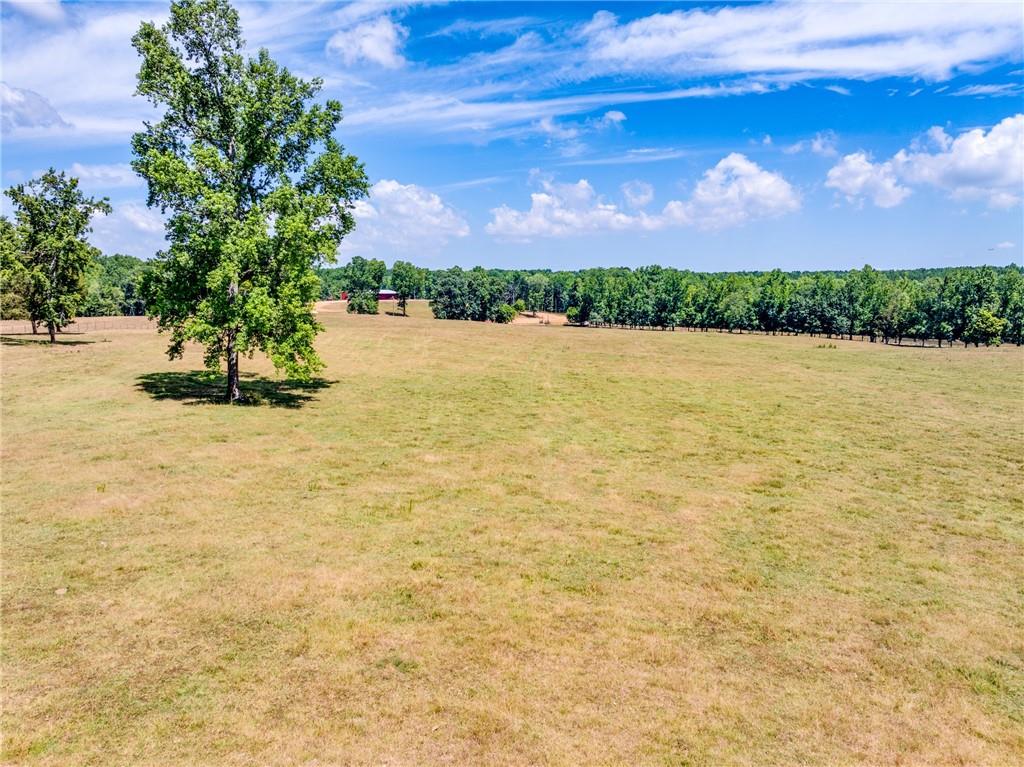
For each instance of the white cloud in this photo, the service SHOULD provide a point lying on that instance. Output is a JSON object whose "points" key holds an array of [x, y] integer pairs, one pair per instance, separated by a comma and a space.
{"points": [[25, 109], [613, 117], [738, 190], [142, 218], [975, 165], [1006, 245], [553, 130], [822, 143], [809, 40], [838, 89], [638, 194], [857, 177], [106, 176], [564, 209], [43, 10], [130, 228], [404, 219], [378, 41], [735, 191]]}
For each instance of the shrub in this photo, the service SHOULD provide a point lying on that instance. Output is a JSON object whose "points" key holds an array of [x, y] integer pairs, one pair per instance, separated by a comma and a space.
{"points": [[362, 303], [572, 315], [519, 305], [504, 314]]}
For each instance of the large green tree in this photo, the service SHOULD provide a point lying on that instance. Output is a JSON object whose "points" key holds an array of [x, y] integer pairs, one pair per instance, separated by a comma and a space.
{"points": [[257, 189], [46, 255], [407, 281]]}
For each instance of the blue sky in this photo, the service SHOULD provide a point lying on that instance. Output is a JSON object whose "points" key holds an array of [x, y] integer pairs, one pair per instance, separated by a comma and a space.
{"points": [[566, 135]]}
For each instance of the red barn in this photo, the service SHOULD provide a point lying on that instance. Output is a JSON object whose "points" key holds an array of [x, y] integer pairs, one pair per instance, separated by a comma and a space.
{"points": [[383, 295]]}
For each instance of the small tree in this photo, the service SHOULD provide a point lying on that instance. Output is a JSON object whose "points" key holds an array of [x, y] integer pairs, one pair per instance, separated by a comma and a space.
{"points": [[984, 327], [407, 281], [258, 189], [50, 258], [519, 305], [572, 315], [504, 314], [364, 280]]}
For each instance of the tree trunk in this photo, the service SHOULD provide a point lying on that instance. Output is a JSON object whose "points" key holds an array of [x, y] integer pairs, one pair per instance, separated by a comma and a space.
{"points": [[234, 390], [35, 326], [53, 331]]}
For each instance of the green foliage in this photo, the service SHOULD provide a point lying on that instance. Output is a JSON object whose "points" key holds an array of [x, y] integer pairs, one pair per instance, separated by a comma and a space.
{"points": [[450, 299], [984, 327], [46, 258], [116, 285], [12, 274], [364, 278], [504, 314], [362, 303], [257, 188], [536, 291], [407, 281], [1011, 292], [461, 295], [771, 301], [891, 306]]}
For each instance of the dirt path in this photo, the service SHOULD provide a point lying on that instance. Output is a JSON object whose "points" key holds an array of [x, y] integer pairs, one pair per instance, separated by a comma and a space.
{"points": [[541, 318]]}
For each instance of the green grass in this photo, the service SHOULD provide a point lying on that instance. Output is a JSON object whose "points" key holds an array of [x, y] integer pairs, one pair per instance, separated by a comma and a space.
{"points": [[487, 544]]}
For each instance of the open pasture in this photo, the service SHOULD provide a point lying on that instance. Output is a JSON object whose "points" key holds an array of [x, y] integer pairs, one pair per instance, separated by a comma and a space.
{"points": [[480, 544]]}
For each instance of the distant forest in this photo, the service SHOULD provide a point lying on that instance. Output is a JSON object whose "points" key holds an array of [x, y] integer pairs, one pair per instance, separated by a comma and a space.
{"points": [[981, 305]]}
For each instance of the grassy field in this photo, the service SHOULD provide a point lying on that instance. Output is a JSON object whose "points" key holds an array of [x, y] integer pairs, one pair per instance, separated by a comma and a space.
{"points": [[482, 544]]}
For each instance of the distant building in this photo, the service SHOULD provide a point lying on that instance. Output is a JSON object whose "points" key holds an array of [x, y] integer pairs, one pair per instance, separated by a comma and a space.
{"points": [[383, 295]]}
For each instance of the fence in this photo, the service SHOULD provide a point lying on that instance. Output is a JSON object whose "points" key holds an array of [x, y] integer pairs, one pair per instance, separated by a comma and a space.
{"points": [[906, 341], [80, 325]]}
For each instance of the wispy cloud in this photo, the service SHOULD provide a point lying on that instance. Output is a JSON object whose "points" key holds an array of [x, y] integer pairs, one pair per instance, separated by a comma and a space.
{"points": [[487, 27], [472, 183], [634, 156], [849, 40], [822, 143], [989, 90]]}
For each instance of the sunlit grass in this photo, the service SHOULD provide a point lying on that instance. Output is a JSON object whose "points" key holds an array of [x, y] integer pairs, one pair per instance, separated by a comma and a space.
{"points": [[485, 544]]}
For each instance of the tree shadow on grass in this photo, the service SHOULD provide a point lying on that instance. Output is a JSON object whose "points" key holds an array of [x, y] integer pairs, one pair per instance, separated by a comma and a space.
{"points": [[17, 340], [201, 387]]}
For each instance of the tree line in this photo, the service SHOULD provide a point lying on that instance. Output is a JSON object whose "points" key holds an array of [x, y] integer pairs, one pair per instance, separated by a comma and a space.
{"points": [[979, 305]]}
